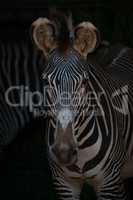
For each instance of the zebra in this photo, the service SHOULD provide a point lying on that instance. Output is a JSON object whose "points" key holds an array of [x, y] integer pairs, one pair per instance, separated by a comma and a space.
{"points": [[20, 74], [88, 139]]}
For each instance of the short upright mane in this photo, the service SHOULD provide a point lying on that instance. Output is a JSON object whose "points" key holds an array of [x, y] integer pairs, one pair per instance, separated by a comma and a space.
{"points": [[63, 32]]}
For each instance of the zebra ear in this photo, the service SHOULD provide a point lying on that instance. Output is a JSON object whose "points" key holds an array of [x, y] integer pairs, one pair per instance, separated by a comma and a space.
{"points": [[87, 38], [43, 34]]}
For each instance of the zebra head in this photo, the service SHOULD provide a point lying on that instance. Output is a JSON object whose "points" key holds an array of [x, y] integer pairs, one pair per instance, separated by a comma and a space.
{"points": [[65, 77]]}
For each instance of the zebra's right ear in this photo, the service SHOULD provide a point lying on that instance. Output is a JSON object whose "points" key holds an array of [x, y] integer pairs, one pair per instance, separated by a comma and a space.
{"points": [[44, 34]]}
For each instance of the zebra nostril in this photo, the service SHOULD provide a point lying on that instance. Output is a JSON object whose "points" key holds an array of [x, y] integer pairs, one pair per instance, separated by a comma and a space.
{"points": [[74, 152], [54, 150]]}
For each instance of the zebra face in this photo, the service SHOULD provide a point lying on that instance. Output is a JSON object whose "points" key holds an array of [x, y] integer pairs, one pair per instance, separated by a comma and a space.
{"points": [[66, 88], [65, 48]]}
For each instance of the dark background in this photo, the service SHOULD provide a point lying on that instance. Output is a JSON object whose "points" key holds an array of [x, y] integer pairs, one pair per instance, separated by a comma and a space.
{"points": [[113, 18], [24, 172]]}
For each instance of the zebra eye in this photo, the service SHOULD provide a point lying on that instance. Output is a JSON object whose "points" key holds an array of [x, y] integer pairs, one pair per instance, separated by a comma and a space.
{"points": [[85, 82], [58, 82]]}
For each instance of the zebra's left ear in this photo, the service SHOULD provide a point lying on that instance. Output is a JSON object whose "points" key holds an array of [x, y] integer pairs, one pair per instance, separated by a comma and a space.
{"points": [[44, 34], [87, 38]]}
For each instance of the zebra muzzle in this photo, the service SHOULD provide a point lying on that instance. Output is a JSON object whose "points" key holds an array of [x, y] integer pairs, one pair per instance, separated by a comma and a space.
{"points": [[66, 156]]}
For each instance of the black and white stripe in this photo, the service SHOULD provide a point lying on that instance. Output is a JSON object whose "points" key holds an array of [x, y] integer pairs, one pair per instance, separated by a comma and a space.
{"points": [[20, 66], [105, 140]]}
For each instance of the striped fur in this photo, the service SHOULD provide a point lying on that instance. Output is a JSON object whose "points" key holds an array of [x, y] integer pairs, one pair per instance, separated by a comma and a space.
{"points": [[103, 135], [20, 65]]}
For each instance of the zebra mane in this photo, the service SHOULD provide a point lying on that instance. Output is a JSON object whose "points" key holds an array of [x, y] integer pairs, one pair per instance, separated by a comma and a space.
{"points": [[62, 33]]}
